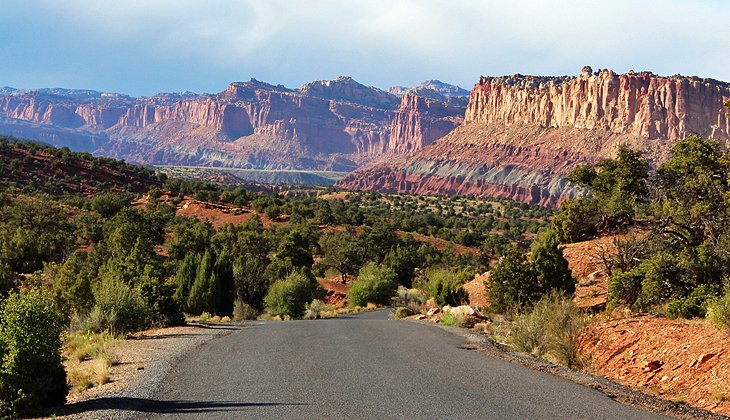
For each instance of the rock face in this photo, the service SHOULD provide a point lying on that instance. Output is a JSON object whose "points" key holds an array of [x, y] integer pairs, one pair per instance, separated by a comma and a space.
{"points": [[325, 125], [522, 134], [419, 122]]}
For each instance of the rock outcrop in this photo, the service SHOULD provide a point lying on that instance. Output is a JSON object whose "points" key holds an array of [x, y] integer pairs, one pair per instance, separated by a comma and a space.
{"points": [[522, 134], [325, 125]]}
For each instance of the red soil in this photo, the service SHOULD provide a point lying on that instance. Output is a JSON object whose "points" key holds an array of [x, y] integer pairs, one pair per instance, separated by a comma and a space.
{"points": [[675, 360], [477, 290]]}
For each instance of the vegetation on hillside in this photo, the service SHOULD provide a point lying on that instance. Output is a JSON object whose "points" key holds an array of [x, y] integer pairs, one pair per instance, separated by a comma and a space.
{"points": [[106, 265], [680, 266]]}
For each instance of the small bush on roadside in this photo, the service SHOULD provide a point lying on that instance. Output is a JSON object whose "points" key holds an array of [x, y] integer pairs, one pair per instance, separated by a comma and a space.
{"points": [[243, 311], [88, 345], [550, 330], [289, 297], [450, 319], [411, 296], [403, 312], [314, 309], [31, 372], [120, 307], [375, 284], [447, 286]]}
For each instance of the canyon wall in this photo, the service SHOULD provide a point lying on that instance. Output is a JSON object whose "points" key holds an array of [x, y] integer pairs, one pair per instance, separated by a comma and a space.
{"points": [[522, 134], [325, 125]]}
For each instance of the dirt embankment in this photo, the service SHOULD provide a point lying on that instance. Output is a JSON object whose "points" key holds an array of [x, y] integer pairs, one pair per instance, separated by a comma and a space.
{"points": [[686, 361]]}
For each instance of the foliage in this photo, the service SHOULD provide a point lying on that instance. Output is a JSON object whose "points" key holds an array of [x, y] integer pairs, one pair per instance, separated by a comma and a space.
{"points": [[342, 252], [618, 185], [205, 292], [718, 311], [289, 297], [33, 230], [108, 204], [446, 286], [512, 282], [31, 373], [550, 266], [695, 305], [251, 281], [684, 260], [7, 279], [550, 329], [578, 220], [375, 284], [119, 307]]}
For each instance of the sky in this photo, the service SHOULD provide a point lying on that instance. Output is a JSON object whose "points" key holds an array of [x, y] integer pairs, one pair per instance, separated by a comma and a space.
{"points": [[142, 47]]}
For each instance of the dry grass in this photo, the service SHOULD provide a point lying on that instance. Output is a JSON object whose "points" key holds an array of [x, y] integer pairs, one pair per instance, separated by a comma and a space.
{"points": [[550, 330], [92, 355]]}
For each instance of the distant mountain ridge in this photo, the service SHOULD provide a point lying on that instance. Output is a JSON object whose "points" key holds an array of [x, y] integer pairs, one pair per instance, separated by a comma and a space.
{"points": [[336, 124]]}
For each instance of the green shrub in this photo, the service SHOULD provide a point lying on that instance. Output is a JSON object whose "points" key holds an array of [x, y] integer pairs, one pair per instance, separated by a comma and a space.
{"points": [[313, 309], [7, 279], [512, 283], [119, 308], [402, 312], [624, 287], [447, 286], [31, 373], [450, 320], [550, 266], [550, 329], [718, 311], [243, 311], [694, 305], [577, 220], [289, 297], [375, 284]]}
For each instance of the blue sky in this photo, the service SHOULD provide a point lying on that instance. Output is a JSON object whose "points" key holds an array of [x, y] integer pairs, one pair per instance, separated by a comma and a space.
{"points": [[142, 47]]}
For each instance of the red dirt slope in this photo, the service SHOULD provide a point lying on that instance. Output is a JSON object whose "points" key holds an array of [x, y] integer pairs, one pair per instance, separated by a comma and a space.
{"points": [[675, 360]]}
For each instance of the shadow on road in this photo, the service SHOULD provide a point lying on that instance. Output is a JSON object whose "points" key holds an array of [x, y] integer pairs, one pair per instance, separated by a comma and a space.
{"points": [[145, 405]]}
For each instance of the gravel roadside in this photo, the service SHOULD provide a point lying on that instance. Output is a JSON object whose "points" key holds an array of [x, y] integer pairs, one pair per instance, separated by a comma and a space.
{"points": [[145, 361], [618, 392]]}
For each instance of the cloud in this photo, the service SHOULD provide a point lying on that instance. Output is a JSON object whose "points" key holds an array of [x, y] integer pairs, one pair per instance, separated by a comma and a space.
{"points": [[381, 42]]}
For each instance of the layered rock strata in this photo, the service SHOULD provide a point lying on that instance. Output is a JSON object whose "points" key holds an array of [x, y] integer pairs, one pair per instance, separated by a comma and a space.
{"points": [[325, 125], [522, 134]]}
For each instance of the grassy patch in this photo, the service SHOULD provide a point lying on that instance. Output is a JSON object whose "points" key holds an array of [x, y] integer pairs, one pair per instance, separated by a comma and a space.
{"points": [[550, 330], [82, 346]]}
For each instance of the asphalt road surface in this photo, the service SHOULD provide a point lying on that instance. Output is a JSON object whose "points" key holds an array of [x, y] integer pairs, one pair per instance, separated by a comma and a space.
{"points": [[364, 367]]}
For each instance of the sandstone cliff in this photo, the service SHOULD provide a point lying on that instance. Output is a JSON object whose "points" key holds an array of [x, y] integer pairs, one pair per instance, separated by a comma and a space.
{"points": [[522, 134], [325, 125]]}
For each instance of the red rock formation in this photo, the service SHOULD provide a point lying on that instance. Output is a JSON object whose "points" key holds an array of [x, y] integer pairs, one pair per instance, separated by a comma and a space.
{"points": [[522, 134], [419, 122], [335, 125]]}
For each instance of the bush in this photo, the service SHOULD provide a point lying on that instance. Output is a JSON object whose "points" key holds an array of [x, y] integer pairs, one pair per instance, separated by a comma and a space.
{"points": [[243, 311], [718, 311], [119, 308], [313, 309], [550, 330], [512, 283], [31, 373], [375, 284], [289, 297], [550, 266], [694, 305], [447, 286], [402, 312]]}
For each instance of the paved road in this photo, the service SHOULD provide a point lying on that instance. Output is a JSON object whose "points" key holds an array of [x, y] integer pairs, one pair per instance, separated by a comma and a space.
{"points": [[364, 367]]}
